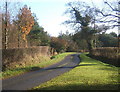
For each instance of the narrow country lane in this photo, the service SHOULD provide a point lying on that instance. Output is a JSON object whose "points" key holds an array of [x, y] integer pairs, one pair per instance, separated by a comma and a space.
{"points": [[35, 78]]}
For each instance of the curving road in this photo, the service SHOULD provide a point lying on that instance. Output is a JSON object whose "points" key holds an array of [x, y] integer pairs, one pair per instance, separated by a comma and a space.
{"points": [[34, 78]]}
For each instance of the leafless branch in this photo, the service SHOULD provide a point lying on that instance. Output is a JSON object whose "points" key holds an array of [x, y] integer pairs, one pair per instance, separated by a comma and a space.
{"points": [[106, 15], [112, 7], [109, 21]]}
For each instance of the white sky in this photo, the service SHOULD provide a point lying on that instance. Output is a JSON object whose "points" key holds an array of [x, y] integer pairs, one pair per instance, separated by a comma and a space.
{"points": [[50, 13]]}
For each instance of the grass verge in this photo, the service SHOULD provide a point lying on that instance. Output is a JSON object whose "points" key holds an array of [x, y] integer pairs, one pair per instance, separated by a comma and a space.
{"points": [[90, 74], [46, 62]]}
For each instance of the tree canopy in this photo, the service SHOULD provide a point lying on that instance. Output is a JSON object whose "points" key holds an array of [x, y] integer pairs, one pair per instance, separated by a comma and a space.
{"points": [[26, 21]]}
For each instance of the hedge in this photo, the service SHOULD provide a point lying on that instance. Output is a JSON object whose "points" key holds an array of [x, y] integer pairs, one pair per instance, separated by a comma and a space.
{"points": [[111, 54], [10, 57]]}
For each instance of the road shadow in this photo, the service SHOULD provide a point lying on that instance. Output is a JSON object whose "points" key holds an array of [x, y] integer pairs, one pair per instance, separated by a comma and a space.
{"points": [[26, 69], [112, 62], [38, 68], [109, 68], [84, 87], [70, 66]]}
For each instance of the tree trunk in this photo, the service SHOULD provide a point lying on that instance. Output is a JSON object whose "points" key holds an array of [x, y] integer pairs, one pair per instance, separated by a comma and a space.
{"points": [[90, 47], [26, 43], [6, 29], [25, 40]]}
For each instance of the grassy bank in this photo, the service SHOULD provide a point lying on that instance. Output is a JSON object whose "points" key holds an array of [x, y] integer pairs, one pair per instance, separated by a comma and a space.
{"points": [[90, 74], [46, 62]]}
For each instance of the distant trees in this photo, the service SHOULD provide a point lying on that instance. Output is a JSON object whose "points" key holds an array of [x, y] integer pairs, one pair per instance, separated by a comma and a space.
{"points": [[108, 40], [37, 35], [23, 29], [82, 44], [20, 27], [74, 42], [71, 44], [113, 34], [110, 15], [101, 40], [58, 44], [81, 18], [89, 35]]}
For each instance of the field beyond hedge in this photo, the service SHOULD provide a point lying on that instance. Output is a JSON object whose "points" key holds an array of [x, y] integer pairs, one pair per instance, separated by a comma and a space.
{"points": [[90, 74]]}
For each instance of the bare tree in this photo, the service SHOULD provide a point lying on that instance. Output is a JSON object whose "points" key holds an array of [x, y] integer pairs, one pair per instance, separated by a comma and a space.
{"points": [[111, 14], [9, 10]]}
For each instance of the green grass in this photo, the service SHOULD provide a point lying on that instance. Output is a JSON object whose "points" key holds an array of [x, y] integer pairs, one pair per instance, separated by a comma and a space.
{"points": [[20, 70], [90, 74]]}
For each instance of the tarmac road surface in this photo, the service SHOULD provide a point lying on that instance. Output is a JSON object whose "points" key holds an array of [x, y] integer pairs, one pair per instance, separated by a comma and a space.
{"points": [[34, 78]]}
